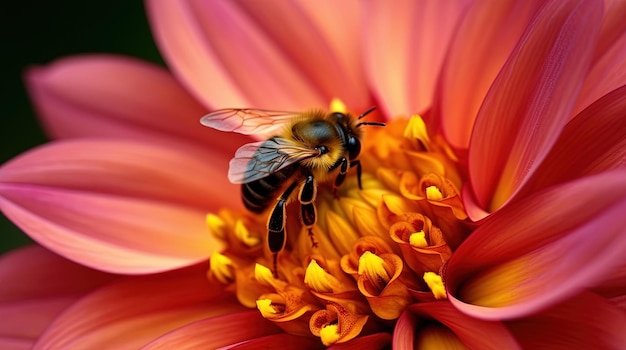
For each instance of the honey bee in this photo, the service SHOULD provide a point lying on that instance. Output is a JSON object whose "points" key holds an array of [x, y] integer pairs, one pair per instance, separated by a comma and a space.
{"points": [[301, 149]]}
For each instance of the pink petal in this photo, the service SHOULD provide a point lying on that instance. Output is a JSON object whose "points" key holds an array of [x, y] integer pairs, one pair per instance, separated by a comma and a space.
{"points": [[531, 99], [36, 287], [116, 206], [484, 40], [24, 271], [289, 55], [111, 96], [220, 331], [23, 322], [405, 43], [608, 72], [134, 311], [591, 143], [474, 333], [584, 322], [541, 250]]}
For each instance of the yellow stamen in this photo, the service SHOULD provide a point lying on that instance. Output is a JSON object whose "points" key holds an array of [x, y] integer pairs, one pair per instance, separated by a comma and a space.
{"points": [[242, 233], [435, 283], [318, 279], [263, 275], [416, 129], [336, 105], [372, 266], [215, 225], [221, 267], [433, 193], [329, 334], [418, 239], [266, 308]]}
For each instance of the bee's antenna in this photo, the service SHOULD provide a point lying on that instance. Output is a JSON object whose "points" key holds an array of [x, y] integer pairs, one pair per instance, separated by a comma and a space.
{"points": [[368, 123], [367, 112], [371, 123]]}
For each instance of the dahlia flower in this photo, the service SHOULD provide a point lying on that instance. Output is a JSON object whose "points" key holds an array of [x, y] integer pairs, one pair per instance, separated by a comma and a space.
{"points": [[491, 213]]}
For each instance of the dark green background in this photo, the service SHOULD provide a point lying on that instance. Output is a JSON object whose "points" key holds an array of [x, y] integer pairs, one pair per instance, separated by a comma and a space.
{"points": [[38, 32]]}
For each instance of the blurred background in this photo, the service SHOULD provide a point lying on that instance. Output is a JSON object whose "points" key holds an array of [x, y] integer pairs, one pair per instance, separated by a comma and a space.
{"points": [[38, 32]]}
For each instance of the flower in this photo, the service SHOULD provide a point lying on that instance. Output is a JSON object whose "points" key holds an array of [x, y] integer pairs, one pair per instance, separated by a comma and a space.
{"points": [[491, 201]]}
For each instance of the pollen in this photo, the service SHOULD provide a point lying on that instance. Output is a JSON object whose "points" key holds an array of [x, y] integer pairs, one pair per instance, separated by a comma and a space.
{"points": [[433, 193], [418, 239], [435, 283], [336, 105], [329, 334]]}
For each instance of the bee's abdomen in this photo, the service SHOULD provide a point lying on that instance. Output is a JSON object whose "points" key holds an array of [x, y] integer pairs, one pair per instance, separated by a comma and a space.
{"points": [[258, 195]]}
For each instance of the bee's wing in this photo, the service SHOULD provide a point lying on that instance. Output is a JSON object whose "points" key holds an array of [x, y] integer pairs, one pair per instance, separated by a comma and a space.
{"points": [[248, 121], [257, 160]]}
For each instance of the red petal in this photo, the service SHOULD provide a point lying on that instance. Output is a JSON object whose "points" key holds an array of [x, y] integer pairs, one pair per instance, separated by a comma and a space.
{"points": [[36, 287], [531, 99], [275, 341], [134, 311], [474, 333], [24, 271], [609, 68], [584, 322], [377, 341], [591, 143], [216, 332], [543, 249]]}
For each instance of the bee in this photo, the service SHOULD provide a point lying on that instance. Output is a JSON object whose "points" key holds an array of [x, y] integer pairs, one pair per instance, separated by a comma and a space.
{"points": [[300, 150]]}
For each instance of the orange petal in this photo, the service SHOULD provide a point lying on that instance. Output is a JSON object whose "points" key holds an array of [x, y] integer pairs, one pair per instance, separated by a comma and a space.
{"points": [[285, 49], [405, 46]]}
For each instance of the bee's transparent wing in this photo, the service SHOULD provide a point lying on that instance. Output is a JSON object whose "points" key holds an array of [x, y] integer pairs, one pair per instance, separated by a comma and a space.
{"points": [[257, 160], [248, 121]]}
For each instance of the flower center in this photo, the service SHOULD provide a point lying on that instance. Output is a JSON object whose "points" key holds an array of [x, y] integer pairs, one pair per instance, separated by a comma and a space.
{"points": [[378, 248]]}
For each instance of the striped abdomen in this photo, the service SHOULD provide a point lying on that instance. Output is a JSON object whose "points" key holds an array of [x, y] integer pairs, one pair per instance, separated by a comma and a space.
{"points": [[259, 194]]}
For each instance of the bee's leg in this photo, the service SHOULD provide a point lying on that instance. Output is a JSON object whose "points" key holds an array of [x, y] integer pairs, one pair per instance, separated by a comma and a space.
{"points": [[276, 236], [307, 195], [342, 164], [359, 170]]}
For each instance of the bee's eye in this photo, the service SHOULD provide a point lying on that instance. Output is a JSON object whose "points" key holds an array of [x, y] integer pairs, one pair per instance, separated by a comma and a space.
{"points": [[322, 149], [354, 147]]}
